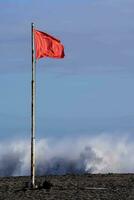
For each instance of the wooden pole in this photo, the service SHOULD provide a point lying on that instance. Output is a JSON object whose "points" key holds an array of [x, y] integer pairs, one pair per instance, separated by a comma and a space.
{"points": [[33, 96]]}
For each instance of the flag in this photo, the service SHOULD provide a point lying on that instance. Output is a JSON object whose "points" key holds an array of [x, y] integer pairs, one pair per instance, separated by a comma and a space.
{"points": [[47, 46]]}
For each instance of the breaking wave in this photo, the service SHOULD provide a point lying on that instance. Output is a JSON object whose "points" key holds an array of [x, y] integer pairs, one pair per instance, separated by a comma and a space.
{"points": [[99, 154]]}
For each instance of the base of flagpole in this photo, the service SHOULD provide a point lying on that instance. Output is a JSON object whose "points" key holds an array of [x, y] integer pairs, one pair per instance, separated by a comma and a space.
{"points": [[29, 185], [47, 185]]}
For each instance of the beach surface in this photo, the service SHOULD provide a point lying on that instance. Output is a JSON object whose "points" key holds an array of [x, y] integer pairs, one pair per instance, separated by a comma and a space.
{"points": [[69, 187]]}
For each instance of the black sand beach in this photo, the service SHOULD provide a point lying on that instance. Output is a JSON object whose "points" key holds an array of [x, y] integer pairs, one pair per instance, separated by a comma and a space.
{"points": [[70, 187]]}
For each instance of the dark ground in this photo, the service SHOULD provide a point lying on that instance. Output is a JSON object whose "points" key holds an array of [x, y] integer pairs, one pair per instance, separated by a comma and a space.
{"points": [[71, 187]]}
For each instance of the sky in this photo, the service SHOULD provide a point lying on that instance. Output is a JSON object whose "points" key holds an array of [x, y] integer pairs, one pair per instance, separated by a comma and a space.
{"points": [[90, 91]]}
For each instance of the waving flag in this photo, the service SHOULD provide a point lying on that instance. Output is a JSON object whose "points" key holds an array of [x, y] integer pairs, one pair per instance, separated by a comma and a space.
{"points": [[47, 46]]}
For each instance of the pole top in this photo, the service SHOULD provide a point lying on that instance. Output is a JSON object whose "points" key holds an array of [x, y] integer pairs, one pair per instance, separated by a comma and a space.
{"points": [[32, 24]]}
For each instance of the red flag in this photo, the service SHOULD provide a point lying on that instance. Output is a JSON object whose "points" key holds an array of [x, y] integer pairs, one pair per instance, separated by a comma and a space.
{"points": [[47, 46]]}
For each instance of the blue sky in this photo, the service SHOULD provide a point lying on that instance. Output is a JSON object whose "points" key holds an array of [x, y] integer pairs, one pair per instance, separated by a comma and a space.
{"points": [[88, 92]]}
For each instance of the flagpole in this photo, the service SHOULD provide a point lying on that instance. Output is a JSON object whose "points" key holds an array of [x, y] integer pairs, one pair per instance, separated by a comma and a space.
{"points": [[33, 96]]}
